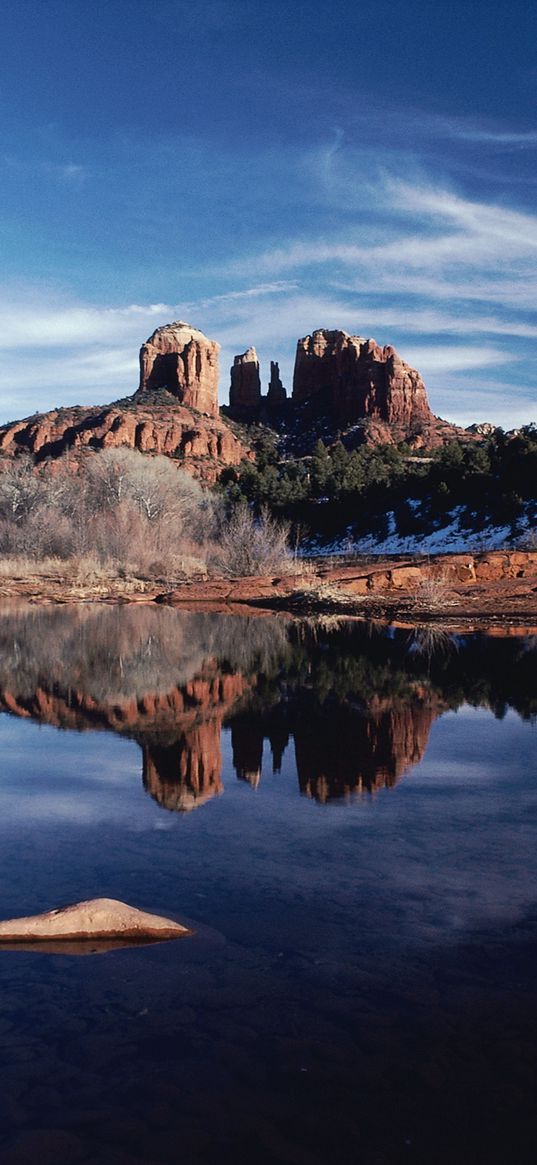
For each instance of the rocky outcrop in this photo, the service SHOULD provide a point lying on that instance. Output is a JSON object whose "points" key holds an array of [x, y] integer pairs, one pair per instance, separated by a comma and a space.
{"points": [[483, 429], [355, 378], [97, 918], [245, 391], [173, 412], [175, 408], [277, 395], [202, 445], [179, 358], [246, 402]]}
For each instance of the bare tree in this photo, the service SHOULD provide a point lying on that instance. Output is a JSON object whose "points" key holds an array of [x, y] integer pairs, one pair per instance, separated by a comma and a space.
{"points": [[158, 487], [249, 545], [21, 489]]}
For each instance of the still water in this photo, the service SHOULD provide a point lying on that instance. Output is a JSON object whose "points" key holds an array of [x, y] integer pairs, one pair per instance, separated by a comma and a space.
{"points": [[345, 814]]}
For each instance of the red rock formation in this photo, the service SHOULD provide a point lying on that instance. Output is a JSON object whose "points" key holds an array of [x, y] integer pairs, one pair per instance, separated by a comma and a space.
{"points": [[277, 395], [201, 445], [355, 378], [181, 359], [245, 391]]}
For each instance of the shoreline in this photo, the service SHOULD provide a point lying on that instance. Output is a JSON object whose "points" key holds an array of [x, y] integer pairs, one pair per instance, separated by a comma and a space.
{"points": [[498, 588]]}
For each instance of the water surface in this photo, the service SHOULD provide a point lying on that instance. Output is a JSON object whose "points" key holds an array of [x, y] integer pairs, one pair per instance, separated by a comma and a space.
{"points": [[346, 815]]}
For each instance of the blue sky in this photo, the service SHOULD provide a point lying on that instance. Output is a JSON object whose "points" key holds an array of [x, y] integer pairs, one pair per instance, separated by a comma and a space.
{"points": [[263, 169]]}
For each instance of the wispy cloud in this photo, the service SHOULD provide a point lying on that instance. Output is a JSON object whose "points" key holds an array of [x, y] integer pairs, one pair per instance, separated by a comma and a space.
{"points": [[450, 279], [436, 244]]}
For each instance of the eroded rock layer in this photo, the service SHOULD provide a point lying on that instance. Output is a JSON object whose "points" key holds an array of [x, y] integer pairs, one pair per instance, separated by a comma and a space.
{"points": [[202, 445]]}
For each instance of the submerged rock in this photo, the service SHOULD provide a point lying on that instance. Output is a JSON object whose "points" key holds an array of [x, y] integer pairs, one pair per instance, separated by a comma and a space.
{"points": [[98, 918]]}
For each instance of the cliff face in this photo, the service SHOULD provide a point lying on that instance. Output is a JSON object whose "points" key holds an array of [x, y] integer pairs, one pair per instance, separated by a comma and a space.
{"points": [[182, 360], [354, 378]]}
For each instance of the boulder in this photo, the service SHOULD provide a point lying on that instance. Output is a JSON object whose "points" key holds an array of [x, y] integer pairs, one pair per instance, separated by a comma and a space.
{"points": [[98, 918]]}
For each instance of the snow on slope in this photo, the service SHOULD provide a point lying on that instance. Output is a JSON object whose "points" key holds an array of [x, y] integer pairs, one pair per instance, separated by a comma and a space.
{"points": [[451, 538]]}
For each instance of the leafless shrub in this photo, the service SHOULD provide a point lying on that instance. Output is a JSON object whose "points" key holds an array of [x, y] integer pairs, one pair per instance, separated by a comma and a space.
{"points": [[250, 545], [432, 593], [20, 490], [120, 507]]}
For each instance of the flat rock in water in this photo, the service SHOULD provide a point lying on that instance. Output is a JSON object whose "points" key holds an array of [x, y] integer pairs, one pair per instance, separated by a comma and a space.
{"points": [[98, 918]]}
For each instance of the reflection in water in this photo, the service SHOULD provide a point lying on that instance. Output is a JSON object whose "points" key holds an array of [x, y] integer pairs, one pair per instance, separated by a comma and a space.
{"points": [[357, 701], [364, 753], [360, 986], [188, 772]]}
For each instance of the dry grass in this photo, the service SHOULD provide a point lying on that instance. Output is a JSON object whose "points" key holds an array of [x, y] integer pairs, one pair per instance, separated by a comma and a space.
{"points": [[20, 566], [331, 595], [432, 594]]}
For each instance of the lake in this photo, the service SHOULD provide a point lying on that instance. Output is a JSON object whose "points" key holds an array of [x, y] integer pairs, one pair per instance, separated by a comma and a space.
{"points": [[345, 814]]}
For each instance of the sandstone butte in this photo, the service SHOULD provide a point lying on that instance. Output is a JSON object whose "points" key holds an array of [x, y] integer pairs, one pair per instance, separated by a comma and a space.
{"points": [[175, 409], [173, 412], [348, 379], [357, 378]]}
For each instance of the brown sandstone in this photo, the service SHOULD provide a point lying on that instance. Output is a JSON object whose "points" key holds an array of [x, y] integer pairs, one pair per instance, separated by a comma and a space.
{"points": [[202, 445]]}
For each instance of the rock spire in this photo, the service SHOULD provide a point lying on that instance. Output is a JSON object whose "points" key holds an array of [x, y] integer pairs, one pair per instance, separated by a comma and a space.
{"points": [[277, 395], [245, 391]]}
